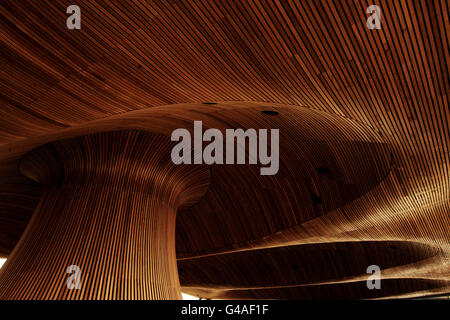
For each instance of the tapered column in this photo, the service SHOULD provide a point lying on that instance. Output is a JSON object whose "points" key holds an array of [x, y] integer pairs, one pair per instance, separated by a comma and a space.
{"points": [[108, 209]]}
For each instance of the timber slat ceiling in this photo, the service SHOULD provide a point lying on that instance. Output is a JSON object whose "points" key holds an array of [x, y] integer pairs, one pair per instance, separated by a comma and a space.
{"points": [[383, 95]]}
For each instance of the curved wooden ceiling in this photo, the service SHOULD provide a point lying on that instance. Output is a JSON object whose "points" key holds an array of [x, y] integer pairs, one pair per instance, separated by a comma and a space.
{"points": [[367, 105]]}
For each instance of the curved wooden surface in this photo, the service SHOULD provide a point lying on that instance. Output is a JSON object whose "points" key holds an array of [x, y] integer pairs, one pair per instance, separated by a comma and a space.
{"points": [[363, 119], [108, 206]]}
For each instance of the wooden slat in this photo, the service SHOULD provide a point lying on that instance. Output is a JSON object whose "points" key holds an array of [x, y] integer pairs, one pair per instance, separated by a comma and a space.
{"points": [[108, 207], [133, 60]]}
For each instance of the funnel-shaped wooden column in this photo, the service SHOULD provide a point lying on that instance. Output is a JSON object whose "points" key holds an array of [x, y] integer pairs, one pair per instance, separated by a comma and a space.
{"points": [[108, 206]]}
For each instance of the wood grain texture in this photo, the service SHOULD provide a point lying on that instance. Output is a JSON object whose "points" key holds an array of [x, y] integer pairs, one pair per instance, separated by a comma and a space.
{"points": [[149, 66], [108, 206]]}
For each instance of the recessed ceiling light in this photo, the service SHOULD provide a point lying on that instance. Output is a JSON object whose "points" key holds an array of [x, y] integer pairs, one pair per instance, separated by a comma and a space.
{"points": [[270, 112], [316, 199], [323, 170], [2, 261]]}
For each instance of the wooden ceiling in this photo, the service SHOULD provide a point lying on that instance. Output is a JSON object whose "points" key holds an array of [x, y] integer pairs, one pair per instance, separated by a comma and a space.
{"points": [[150, 65]]}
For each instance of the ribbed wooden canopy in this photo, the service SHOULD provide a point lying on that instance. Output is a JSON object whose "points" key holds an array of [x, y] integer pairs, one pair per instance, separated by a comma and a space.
{"points": [[364, 158]]}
